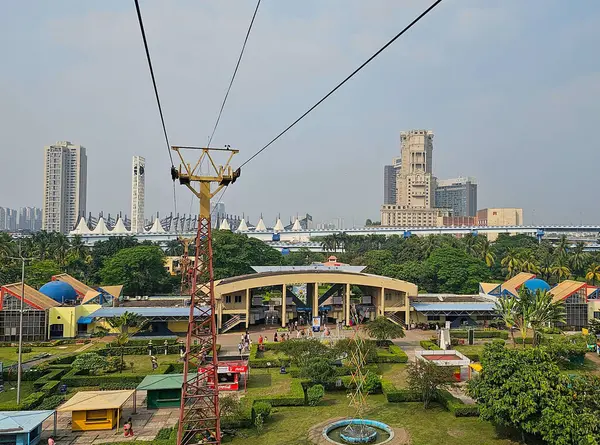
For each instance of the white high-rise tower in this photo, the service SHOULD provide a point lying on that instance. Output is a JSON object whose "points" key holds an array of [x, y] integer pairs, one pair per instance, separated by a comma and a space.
{"points": [[137, 194], [65, 179]]}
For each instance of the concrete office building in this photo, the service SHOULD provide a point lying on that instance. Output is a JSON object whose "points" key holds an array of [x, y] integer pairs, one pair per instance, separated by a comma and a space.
{"points": [[500, 217], [458, 195], [138, 191], [415, 184], [65, 186]]}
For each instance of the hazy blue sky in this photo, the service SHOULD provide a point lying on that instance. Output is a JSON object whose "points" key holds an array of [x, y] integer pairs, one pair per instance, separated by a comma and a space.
{"points": [[511, 89]]}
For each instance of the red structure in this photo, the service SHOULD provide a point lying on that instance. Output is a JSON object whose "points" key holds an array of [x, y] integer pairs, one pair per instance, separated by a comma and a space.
{"points": [[199, 421], [230, 374]]}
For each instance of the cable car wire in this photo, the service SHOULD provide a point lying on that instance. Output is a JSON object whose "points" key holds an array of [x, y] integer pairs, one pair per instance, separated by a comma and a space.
{"points": [[237, 65], [339, 85]]}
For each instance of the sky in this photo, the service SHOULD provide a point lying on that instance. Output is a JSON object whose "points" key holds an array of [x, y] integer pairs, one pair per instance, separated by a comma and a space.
{"points": [[511, 89]]}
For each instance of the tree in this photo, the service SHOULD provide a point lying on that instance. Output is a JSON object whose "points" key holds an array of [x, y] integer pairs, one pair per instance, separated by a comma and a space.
{"points": [[593, 273], [527, 262], [515, 386], [139, 269], [174, 248], [560, 271], [453, 271], [90, 362], [484, 249], [427, 379], [470, 242], [579, 258], [234, 254], [562, 247], [40, 272], [318, 370], [506, 308], [511, 262], [377, 260], [60, 246], [7, 246], [125, 321], [383, 329], [546, 312]]}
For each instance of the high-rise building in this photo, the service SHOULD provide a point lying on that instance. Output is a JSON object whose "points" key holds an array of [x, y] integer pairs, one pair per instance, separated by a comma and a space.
{"points": [[138, 187], [458, 194], [65, 186], [416, 183], [390, 178], [30, 218], [8, 219]]}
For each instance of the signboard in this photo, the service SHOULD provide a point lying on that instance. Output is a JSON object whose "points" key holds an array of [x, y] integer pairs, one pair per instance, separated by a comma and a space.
{"points": [[300, 291], [316, 324]]}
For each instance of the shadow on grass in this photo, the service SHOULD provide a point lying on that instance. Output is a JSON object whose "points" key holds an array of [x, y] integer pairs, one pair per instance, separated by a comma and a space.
{"points": [[260, 381]]}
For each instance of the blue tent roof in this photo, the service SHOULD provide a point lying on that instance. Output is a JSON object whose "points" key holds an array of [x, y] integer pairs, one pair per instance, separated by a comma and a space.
{"points": [[15, 422], [535, 284]]}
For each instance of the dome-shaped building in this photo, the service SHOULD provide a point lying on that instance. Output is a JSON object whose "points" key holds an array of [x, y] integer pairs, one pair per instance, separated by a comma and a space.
{"points": [[535, 284], [59, 291]]}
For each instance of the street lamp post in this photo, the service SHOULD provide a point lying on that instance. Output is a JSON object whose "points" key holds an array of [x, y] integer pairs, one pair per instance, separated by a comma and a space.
{"points": [[21, 310]]}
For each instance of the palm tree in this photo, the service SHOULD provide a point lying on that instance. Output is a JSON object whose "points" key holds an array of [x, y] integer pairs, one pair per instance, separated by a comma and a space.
{"points": [[6, 246], [546, 312], [511, 262], [562, 247], [174, 248], [41, 245], [527, 263], [579, 258], [329, 243], [506, 308], [593, 273], [470, 242], [60, 247], [560, 270], [78, 248], [485, 251], [123, 322], [546, 267], [429, 244]]}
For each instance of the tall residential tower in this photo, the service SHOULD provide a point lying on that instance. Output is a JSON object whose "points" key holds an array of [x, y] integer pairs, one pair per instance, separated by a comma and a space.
{"points": [[459, 194], [65, 186], [138, 186]]}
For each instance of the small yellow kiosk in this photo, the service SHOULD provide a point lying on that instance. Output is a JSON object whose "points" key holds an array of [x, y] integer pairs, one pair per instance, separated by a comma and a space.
{"points": [[96, 410]]}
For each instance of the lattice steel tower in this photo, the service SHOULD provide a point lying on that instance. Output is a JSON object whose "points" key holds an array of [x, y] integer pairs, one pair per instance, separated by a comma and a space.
{"points": [[199, 419]]}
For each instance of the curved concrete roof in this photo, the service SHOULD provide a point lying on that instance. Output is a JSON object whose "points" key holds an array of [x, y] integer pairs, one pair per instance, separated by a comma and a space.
{"points": [[265, 279]]}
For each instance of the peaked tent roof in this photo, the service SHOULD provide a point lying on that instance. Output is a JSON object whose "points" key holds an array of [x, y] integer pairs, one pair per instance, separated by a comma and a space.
{"points": [[91, 400], [115, 291], [296, 227], [278, 226], [12, 422], [81, 288], [119, 227], [224, 225], [260, 227], [156, 227], [82, 228], [33, 297], [89, 296], [489, 287], [101, 228], [565, 289], [243, 227]]}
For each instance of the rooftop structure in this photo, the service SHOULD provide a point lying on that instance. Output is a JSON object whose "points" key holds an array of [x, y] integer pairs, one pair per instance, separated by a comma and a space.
{"points": [[22, 427], [96, 410]]}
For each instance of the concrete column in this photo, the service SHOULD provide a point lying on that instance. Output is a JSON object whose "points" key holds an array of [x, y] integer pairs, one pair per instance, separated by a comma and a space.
{"points": [[248, 293], [407, 308], [382, 302], [316, 300], [283, 306], [347, 304], [220, 313]]}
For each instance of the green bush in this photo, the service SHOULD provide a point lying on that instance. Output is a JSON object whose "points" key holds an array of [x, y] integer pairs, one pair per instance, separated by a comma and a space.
{"points": [[124, 380], [256, 360], [519, 340], [54, 374], [456, 406], [403, 395], [393, 355], [314, 394], [262, 409], [429, 345], [371, 383], [25, 349], [480, 334], [51, 402], [64, 360]]}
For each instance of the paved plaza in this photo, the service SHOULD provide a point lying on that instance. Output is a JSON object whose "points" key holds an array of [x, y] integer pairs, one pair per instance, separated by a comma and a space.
{"points": [[146, 425]]}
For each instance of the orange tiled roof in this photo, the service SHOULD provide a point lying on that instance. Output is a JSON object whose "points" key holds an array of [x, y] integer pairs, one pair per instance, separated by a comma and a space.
{"points": [[565, 289], [79, 287], [32, 297]]}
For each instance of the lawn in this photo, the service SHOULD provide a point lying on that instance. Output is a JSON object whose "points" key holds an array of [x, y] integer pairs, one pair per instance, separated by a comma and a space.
{"points": [[10, 395], [268, 382], [143, 365], [394, 373], [289, 425], [9, 355]]}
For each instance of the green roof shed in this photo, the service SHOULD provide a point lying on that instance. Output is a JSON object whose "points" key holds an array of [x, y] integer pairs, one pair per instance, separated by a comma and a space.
{"points": [[163, 390]]}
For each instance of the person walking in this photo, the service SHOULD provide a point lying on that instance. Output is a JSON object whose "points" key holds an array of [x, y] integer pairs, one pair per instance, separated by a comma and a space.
{"points": [[51, 441], [298, 334], [128, 428], [275, 338], [240, 347], [296, 325]]}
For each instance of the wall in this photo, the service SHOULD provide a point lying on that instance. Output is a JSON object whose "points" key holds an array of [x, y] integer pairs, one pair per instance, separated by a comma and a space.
{"points": [[593, 306], [68, 316], [178, 326], [79, 422], [233, 305]]}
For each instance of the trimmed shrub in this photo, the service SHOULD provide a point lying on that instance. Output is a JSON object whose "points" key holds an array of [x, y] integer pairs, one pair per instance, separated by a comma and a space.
{"points": [[429, 345], [262, 409], [480, 334], [314, 394], [295, 397], [403, 395], [51, 402], [25, 349], [528, 340], [456, 406], [393, 355], [54, 374]]}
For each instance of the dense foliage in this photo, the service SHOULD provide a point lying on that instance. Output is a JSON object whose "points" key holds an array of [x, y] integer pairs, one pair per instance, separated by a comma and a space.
{"points": [[427, 379], [383, 329]]}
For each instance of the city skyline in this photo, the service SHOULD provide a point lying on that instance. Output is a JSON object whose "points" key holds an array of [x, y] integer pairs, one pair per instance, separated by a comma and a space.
{"points": [[502, 111]]}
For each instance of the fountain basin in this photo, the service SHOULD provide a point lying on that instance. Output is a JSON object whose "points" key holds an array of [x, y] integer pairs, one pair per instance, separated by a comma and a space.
{"points": [[374, 432]]}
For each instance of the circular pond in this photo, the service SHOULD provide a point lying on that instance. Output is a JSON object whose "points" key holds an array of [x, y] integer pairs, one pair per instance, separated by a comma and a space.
{"points": [[357, 431]]}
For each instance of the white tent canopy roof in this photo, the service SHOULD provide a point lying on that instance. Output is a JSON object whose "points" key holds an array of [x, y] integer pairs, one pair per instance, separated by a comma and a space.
{"points": [[156, 227], [119, 227], [278, 226], [82, 228], [296, 225], [260, 227], [224, 225], [101, 228]]}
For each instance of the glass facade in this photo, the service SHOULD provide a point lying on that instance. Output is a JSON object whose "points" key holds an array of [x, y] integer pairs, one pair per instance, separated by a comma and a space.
{"points": [[577, 309]]}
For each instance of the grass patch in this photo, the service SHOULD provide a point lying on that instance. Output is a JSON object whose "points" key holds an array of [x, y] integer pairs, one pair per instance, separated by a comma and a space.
{"points": [[10, 395], [268, 382], [9, 355], [289, 425], [394, 373]]}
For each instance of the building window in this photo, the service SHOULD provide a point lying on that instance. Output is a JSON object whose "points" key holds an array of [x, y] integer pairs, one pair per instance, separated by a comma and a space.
{"points": [[95, 415], [227, 299], [596, 314], [238, 298], [433, 318], [388, 297]]}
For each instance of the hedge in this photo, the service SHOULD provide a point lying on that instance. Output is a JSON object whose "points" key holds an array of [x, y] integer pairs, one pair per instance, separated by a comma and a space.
{"points": [[456, 406], [64, 360], [394, 395], [480, 334], [429, 345], [55, 374], [259, 362], [528, 340], [394, 355], [112, 350], [122, 380]]}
